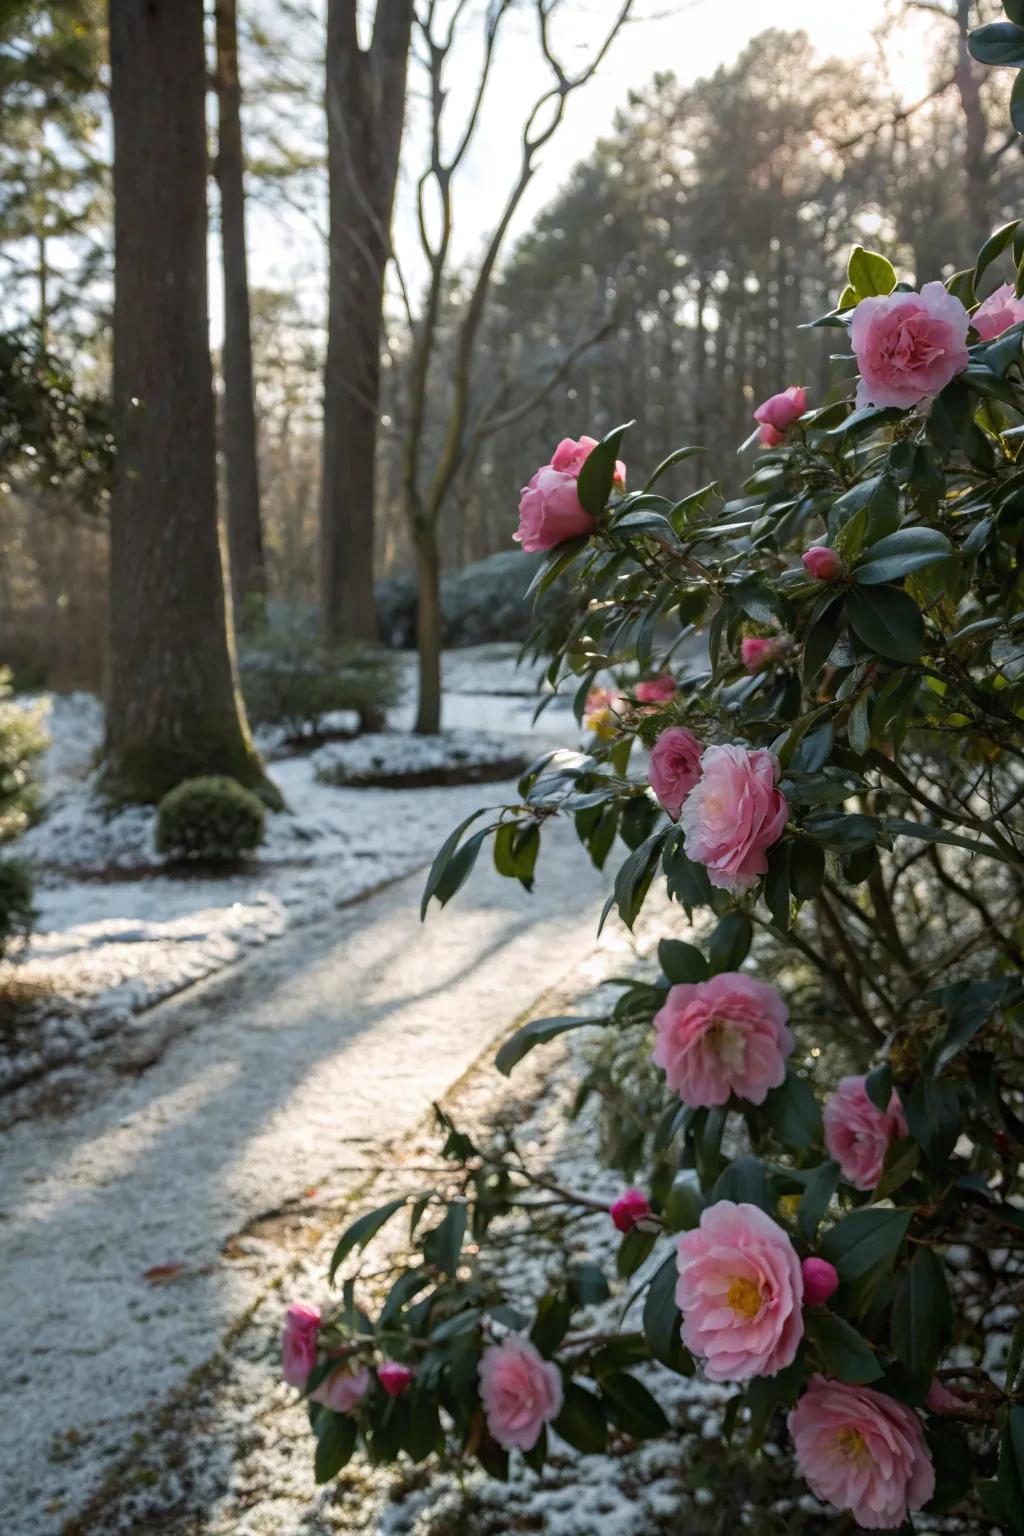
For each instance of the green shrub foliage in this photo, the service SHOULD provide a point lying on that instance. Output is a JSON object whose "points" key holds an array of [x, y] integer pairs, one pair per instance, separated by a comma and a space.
{"points": [[877, 903], [213, 819], [17, 915], [292, 679], [23, 739]]}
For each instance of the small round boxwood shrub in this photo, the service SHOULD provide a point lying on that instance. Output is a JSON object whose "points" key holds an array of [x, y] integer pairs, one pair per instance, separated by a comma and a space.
{"points": [[212, 818], [17, 914]]}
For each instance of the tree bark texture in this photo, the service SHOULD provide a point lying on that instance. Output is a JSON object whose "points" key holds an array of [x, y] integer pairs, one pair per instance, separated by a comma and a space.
{"points": [[245, 535], [173, 709], [365, 113]]}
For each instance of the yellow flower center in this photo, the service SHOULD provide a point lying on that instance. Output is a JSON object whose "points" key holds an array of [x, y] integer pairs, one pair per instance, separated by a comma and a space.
{"points": [[744, 1297], [850, 1443], [728, 1044]]}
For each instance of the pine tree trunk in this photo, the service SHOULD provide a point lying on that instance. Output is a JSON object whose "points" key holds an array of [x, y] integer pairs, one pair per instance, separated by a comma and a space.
{"points": [[245, 534], [365, 112], [172, 707], [428, 630]]}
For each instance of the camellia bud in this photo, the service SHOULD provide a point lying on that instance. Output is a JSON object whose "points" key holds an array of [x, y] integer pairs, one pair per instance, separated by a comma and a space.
{"points": [[758, 651], [820, 1281], [822, 563], [394, 1378], [629, 1208]]}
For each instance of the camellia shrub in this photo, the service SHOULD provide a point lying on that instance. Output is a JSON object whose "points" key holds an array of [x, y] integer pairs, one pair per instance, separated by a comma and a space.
{"points": [[826, 1209], [213, 819]]}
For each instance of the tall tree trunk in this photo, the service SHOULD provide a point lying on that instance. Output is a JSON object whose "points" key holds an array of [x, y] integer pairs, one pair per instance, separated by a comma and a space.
{"points": [[245, 534], [976, 168], [172, 708], [365, 113], [428, 629]]}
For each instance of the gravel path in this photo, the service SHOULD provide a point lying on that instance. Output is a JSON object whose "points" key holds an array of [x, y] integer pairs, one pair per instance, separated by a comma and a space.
{"points": [[292, 1068]]}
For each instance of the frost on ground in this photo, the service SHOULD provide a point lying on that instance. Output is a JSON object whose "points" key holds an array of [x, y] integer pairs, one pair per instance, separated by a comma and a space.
{"points": [[232, 1454], [386, 758], [118, 931]]}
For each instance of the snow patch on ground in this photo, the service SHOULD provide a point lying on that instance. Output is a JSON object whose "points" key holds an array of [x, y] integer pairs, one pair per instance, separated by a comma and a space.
{"points": [[393, 754], [118, 930]]}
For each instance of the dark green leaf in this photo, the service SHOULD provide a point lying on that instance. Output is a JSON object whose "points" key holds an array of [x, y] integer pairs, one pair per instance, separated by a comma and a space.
{"points": [[1000, 43], [361, 1231], [888, 620], [551, 1324], [922, 1313], [443, 1245], [631, 1407], [840, 832], [844, 1353], [594, 485], [539, 1032], [794, 1113], [878, 1086], [633, 1250], [674, 458], [814, 1202], [745, 1181], [891, 558], [1015, 1355], [684, 1203], [1017, 102], [581, 1422], [863, 1239], [1010, 1476], [932, 1111], [807, 870], [440, 864], [821, 638], [681, 962], [662, 1320], [729, 945], [335, 1442]]}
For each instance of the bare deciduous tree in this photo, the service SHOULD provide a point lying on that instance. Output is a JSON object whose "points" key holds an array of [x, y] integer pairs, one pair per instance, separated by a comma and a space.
{"points": [[427, 487]]}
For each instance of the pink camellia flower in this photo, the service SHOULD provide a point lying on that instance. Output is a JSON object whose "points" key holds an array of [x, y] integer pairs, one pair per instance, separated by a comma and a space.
{"points": [[655, 690], [777, 414], [908, 345], [820, 1281], [298, 1343], [571, 455], [394, 1378], [999, 311], [758, 651], [629, 1208], [733, 815], [822, 563], [520, 1391], [600, 713], [862, 1451], [740, 1291], [727, 1035], [550, 511], [858, 1134], [675, 767], [344, 1389]]}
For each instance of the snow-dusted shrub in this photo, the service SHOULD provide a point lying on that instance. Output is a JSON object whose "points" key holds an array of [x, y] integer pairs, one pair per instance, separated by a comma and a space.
{"points": [[17, 914], [23, 739], [292, 679], [828, 1203], [214, 819]]}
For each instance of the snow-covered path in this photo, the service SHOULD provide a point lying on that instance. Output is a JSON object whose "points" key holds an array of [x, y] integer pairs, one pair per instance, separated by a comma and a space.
{"points": [[289, 1070]]}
